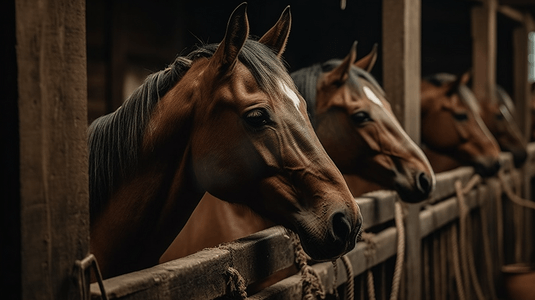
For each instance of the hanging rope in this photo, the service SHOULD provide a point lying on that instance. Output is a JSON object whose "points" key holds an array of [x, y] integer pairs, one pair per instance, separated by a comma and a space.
{"points": [[456, 264], [511, 195], [311, 284], [467, 257], [350, 284], [400, 253], [236, 284], [369, 252]]}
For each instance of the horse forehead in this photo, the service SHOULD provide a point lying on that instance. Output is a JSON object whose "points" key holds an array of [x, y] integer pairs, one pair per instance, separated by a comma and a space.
{"points": [[289, 93]]}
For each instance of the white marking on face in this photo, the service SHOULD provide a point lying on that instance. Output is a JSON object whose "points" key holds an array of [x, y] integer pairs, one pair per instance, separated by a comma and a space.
{"points": [[371, 95], [290, 93]]}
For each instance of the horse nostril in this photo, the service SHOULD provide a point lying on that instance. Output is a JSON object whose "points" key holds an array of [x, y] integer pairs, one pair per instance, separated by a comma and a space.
{"points": [[424, 183], [341, 227], [496, 167]]}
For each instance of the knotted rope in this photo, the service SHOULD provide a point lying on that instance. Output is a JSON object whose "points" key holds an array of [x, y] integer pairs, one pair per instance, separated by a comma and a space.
{"points": [[467, 259], [369, 252], [236, 284], [311, 284]]}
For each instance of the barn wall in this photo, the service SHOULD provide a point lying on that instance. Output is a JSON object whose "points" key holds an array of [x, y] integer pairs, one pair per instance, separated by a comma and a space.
{"points": [[51, 64]]}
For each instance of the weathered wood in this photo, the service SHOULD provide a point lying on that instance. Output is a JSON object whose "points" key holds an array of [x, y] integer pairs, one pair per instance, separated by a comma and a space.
{"points": [[521, 86], [511, 13], [51, 58], [202, 275], [401, 69], [484, 50]]}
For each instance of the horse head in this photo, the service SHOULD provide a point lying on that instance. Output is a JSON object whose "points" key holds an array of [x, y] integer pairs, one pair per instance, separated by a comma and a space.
{"points": [[499, 120], [253, 144], [451, 128], [357, 127]]}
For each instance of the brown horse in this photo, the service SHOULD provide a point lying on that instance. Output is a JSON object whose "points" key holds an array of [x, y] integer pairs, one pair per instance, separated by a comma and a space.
{"points": [[452, 133], [226, 119], [499, 119], [356, 126]]}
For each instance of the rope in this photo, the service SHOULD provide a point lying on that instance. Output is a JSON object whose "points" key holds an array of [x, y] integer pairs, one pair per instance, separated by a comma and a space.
{"points": [[368, 253], [456, 263], [236, 284], [512, 196], [464, 214], [400, 255], [311, 284], [350, 288], [335, 279]]}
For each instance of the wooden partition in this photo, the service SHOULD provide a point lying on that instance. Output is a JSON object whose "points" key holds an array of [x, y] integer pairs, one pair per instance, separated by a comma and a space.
{"points": [[51, 198]]}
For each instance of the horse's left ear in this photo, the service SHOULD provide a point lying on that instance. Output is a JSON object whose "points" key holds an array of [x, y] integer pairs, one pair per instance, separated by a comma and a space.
{"points": [[277, 37], [340, 74], [226, 55], [367, 62]]}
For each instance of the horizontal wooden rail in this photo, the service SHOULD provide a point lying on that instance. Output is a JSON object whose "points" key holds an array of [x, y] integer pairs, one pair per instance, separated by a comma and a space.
{"points": [[203, 275]]}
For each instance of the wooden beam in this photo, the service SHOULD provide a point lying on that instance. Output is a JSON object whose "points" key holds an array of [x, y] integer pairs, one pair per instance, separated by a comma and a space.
{"points": [[484, 37], [401, 81], [52, 96], [511, 13], [521, 85]]}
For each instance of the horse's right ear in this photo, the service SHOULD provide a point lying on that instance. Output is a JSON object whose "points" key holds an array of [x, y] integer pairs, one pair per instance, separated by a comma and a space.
{"points": [[340, 74], [277, 37], [226, 55], [367, 62]]}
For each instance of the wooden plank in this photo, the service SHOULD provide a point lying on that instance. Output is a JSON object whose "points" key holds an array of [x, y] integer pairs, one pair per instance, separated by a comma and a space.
{"points": [[511, 13], [484, 50], [401, 21], [51, 58], [202, 275], [521, 85], [377, 207]]}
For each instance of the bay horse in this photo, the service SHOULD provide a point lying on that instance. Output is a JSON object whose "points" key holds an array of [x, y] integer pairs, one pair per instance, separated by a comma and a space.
{"points": [[498, 117], [452, 133], [357, 127], [225, 119]]}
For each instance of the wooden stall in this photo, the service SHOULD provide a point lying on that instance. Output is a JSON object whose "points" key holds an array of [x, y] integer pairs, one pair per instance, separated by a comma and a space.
{"points": [[64, 74]]}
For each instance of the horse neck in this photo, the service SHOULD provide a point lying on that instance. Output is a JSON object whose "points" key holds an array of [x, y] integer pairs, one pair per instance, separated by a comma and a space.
{"points": [[359, 185], [440, 162], [148, 210]]}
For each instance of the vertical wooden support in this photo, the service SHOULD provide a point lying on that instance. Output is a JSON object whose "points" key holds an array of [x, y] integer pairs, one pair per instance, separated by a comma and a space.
{"points": [[52, 103], [484, 50], [521, 88], [401, 80]]}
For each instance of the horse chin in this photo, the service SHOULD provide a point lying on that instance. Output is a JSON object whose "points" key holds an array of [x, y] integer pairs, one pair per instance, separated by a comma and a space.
{"points": [[487, 167]]}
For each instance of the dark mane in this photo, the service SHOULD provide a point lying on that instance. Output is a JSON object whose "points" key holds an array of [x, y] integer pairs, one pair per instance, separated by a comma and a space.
{"points": [[114, 139], [306, 80]]}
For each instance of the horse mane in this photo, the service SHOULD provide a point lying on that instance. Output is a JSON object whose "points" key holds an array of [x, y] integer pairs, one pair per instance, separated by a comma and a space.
{"points": [[306, 80], [115, 139]]}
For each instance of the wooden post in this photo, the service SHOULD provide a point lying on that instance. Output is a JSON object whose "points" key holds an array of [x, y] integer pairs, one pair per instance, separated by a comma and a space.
{"points": [[401, 80], [52, 96], [484, 50], [521, 88]]}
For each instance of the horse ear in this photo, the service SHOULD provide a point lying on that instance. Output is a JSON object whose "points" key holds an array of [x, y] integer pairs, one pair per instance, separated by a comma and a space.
{"points": [[367, 62], [237, 33], [277, 37], [453, 86], [340, 74]]}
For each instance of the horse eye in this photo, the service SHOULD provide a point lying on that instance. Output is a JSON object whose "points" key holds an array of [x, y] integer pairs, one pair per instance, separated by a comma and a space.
{"points": [[499, 116], [460, 116], [360, 117], [257, 118]]}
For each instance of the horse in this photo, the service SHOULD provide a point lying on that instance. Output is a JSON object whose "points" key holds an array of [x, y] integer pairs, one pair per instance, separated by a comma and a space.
{"points": [[498, 117], [357, 127], [224, 119], [452, 133]]}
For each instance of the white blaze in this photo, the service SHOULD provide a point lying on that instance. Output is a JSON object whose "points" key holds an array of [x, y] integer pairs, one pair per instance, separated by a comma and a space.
{"points": [[291, 94], [371, 95]]}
